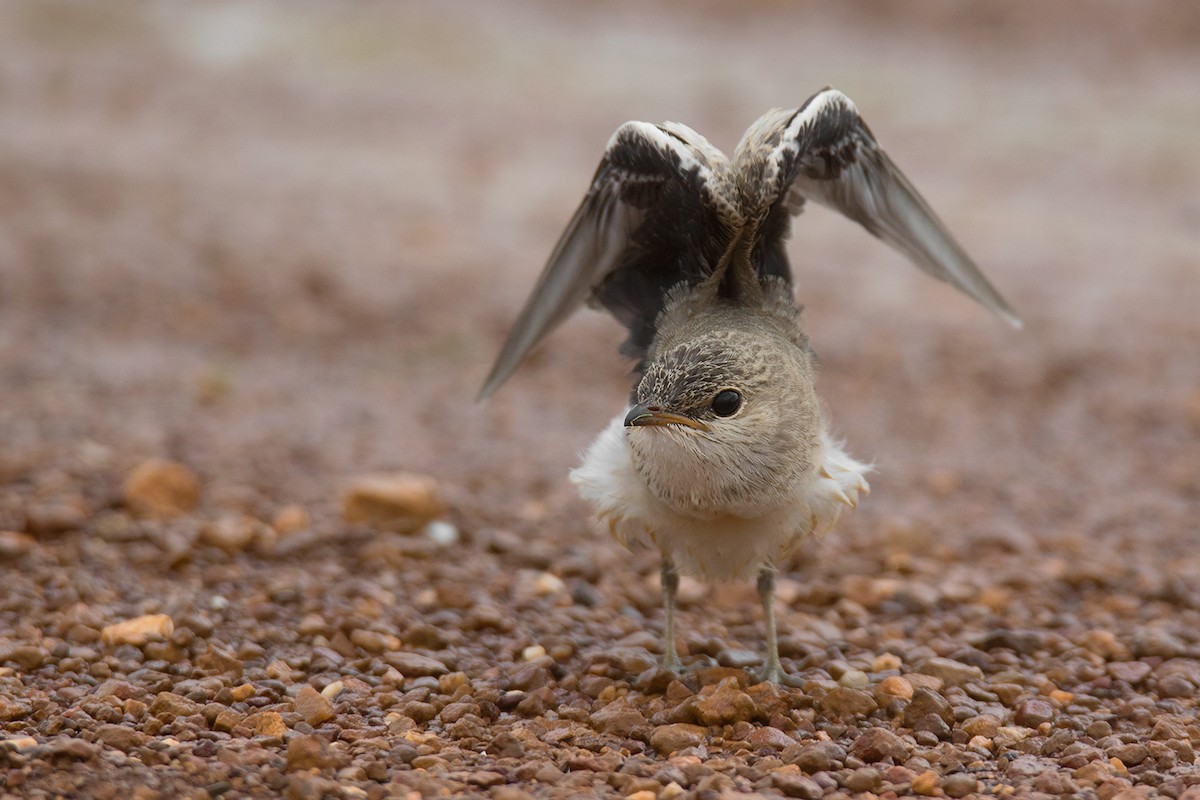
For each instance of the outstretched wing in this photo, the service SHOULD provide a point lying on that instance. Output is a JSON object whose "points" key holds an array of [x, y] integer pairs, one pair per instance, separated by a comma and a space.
{"points": [[824, 152], [656, 215]]}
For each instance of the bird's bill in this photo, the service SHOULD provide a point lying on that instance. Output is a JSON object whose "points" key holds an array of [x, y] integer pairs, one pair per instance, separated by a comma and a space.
{"points": [[640, 416]]}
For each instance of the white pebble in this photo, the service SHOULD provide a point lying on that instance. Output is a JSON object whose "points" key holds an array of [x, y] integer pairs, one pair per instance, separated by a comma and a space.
{"points": [[441, 532]]}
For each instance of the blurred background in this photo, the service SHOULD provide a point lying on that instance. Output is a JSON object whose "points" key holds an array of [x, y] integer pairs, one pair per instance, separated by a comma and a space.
{"points": [[282, 241]]}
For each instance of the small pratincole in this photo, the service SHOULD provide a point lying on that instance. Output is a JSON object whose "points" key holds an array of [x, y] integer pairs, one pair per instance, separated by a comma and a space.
{"points": [[723, 461]]}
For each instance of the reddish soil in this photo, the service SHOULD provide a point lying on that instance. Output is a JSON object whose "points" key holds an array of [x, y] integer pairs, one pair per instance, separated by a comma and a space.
{"points": [[280, 244]]}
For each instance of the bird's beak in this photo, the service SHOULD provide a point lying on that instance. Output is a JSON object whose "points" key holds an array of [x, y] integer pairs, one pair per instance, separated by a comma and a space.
{"points": [[641, 415]]}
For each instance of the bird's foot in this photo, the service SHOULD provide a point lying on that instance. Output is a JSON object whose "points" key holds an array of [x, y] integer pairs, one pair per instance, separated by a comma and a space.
{"points": [[773, 673]]}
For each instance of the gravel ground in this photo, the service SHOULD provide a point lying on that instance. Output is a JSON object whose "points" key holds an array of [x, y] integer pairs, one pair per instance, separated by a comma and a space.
{"points": [[254, 262]]}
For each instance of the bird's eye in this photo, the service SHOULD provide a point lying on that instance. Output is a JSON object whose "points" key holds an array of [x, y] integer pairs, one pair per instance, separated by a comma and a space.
{"points": [[727, 402]]}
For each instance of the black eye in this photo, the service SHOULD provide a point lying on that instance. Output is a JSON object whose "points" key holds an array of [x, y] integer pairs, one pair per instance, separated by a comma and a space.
{"points": [[727, 402]]}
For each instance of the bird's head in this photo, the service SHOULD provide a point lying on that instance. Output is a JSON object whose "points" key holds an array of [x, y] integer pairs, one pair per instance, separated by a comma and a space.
{"points": [[724, 419]]}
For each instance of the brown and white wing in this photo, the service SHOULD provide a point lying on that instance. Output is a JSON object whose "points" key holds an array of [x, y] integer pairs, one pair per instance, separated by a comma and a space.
{"points": [[654, 216], [824, 152]]}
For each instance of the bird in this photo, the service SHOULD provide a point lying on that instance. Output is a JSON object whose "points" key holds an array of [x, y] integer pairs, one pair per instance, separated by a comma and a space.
{"points": [[723, 460]]}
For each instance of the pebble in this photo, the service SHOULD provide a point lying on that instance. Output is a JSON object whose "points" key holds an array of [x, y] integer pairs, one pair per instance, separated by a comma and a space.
{"points": [[291, 519], [855, 679], [161, 489], [927, 783], [170, 704], [727, 704], [619, 717], [878, 744], [26, 656], [982, 725], [959, 785], [312, 706], [308, 752], [926, 701], [767, 736], [120, 737], [414, 664], [401, 502], [793, 784], [817, 756], [1132, 672], [138, 631], [58, 515], [268, 723], [864, 779], [1033, 712], [14, 544], [845, 702], [668, 739], [893, 686], [951, 673], [231, 533], [441, 532]]}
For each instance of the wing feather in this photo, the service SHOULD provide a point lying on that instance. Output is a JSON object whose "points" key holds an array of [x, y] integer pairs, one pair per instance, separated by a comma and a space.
{"points": [[826, 153], [651, 219]]}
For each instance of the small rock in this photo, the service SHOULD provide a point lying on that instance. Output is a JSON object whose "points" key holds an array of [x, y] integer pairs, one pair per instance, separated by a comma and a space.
{"points": [[877, 744], [926, 701], [169, 704], [855, 679], [401, 502], [78, 749], [308, 752], [668, 739], [290, 519], [1132, 672], [505, 745], [927, 783], [268, 723], [14, 544], [739, 659], [619, 717], [893, 686], [982, 725], [120, 737], [138, 631], [373, 641], [766, 736], [231, 533], [793, 784], [816, 756], [1129, 754], [959, 785], [951, 672], [161, 489], [866, 779], [26, 656], [56, 516], [725, 705], [218, 660], [1033, 712], [441, 532], [313, 706], [413, 665], [20, 743], [844, 702]]}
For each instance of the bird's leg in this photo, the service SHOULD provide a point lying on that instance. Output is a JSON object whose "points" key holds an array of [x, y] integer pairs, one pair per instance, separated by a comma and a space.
{"points": [[771, 669], [670, 585]]}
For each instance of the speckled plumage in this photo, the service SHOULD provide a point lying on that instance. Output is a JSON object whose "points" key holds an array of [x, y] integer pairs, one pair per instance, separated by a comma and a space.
{"points": [[724, 461]]}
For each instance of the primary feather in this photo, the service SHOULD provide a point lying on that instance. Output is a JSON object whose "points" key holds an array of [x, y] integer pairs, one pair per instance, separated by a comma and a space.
{"points": [[666, 209]]}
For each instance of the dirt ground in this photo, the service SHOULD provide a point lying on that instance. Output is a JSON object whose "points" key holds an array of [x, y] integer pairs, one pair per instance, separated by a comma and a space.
{"points": [[278, 244]]}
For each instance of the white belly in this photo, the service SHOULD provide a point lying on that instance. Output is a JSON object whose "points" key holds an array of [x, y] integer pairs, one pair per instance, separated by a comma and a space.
{"points": [[717, 546]]}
